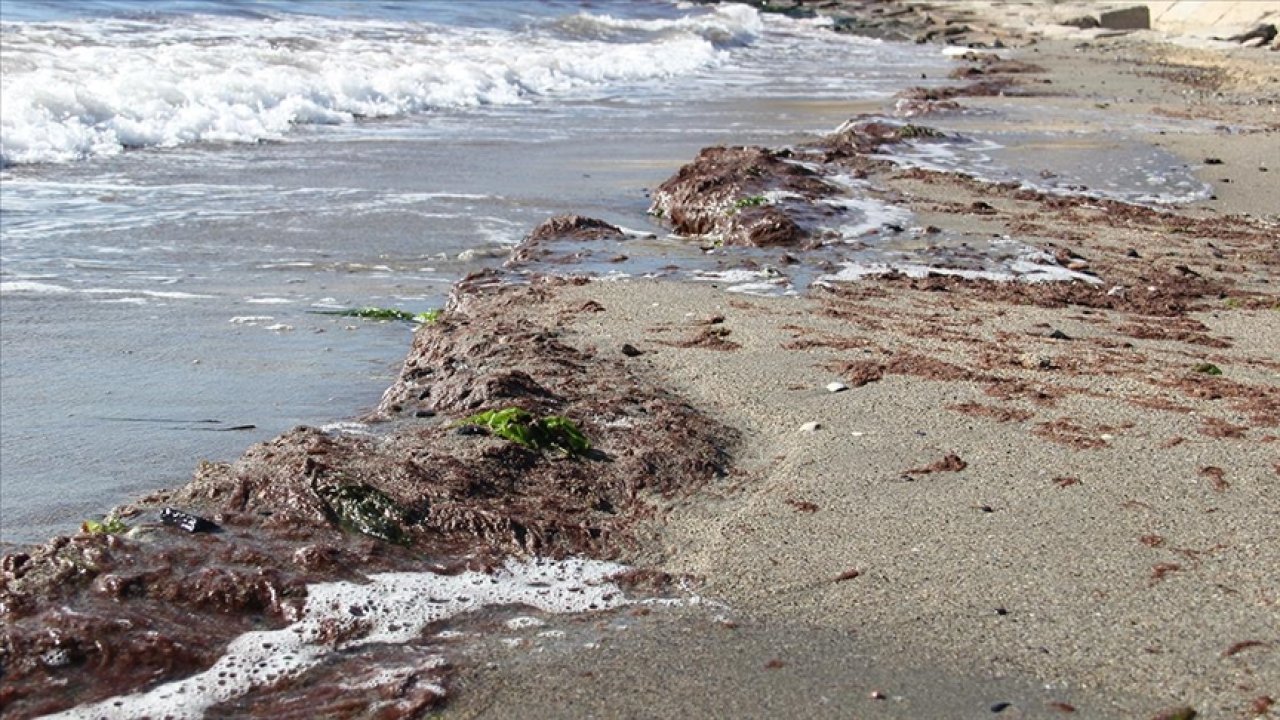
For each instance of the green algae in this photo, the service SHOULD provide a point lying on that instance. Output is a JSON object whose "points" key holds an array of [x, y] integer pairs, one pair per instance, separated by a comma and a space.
{"points": [[386, 314], [109, 525], [549, 433], [365, 509]]}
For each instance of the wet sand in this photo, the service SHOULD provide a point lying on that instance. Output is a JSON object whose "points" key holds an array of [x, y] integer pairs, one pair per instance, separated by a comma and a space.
{"points": [[1032, 502]]}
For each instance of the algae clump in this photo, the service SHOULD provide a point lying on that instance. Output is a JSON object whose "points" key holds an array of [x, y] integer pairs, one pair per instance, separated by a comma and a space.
{"points": [[552, 432], [377, 313], [908, 132], [110, 525], [365, 509]]}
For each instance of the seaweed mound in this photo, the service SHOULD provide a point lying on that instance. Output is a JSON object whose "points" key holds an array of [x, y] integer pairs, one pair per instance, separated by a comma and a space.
{"points": [[123, 608], [723, 193]]}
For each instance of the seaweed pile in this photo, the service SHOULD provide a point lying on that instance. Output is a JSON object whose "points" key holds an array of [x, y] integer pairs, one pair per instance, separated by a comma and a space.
{"points": [[447, 479]]}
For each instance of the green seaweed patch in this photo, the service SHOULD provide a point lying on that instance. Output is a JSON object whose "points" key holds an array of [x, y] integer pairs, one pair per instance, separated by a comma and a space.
{"points": [[365, 509], [750, 201], [549, 433], [1208, 369], [428, 317], [908, 132], [109, 525], [386, 314]]}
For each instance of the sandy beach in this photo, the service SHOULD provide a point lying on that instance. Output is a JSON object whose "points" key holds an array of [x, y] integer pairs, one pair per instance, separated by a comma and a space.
{"points": [[904, 495], [1027, 497]]}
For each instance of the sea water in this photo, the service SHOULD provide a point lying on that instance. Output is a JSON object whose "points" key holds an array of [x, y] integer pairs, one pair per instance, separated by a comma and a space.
{"points": [[187, 188], [186, 184]]}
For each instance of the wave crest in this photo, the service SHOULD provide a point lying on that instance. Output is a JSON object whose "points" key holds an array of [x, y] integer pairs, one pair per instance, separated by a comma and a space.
{"points": [[78, 89]]}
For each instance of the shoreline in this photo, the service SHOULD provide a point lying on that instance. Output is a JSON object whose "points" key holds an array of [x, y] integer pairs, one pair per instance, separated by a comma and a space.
{"points": [[1027, 493]]}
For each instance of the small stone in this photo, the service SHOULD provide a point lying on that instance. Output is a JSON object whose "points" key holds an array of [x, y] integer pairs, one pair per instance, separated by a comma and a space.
{"points": [[810, 427], [1137, 17], [1035, 361], [878, 695], [174, 517], [12, 565], [631, 350], [836, 387], [1212, 161], [1001, 707]]}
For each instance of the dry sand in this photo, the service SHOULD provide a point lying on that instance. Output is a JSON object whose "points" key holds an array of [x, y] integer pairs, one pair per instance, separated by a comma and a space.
{"points": [[1043, 525]]}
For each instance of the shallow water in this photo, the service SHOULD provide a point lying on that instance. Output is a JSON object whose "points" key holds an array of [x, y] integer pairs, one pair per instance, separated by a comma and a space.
{"points": [[205, 179], [146, 290]]}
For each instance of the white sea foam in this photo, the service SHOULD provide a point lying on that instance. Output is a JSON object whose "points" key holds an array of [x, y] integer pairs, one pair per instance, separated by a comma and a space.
{"points": [[159, 294], [391, 608], [876, 216], [524, 621], [729, 25], [768, 281], [1129, 172], [1028, 265], [346, 428], [29, 287], [76, 89]]}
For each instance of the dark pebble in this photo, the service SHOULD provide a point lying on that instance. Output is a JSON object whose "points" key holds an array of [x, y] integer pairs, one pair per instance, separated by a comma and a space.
{"points": [[1002, 611], [1059, 335], [631, 350], [174, 517], [1212, 161], [1001, 707], [12, 564], [424, 413], [470, 430]]}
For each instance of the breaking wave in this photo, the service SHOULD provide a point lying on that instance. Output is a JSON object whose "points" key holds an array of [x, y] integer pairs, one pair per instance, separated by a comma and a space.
{"points": [[76, 89]]}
